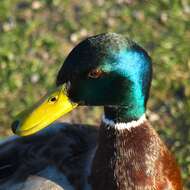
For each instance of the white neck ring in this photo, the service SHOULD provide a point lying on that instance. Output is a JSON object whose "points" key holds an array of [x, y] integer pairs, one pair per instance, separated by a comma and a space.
{"points": [[122, 125]]}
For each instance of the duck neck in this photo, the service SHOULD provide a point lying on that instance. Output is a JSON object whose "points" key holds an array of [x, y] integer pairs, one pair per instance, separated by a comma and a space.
{"points": [[121, 157], [124, 114]]}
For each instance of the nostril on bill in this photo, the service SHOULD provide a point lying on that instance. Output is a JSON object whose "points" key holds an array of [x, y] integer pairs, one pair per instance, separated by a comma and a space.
{"points": [[14, 126]]}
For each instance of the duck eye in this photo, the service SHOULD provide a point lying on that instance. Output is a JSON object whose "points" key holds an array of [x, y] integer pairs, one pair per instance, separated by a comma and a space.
{"points": [[52, 99], [95, 73]]}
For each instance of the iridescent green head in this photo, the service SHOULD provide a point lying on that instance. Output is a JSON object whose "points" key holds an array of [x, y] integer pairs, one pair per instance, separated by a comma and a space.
{"points": [[109, 70], [104, 70]]}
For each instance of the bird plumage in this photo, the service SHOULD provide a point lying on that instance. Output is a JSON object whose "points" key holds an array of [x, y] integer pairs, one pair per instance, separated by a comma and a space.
{"points": [[134, 158], [125, 153], [59, 157]]}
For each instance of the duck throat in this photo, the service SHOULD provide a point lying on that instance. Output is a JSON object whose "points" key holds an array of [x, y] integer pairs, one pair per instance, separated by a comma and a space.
{"points": [[124, 114], [126, 156]]}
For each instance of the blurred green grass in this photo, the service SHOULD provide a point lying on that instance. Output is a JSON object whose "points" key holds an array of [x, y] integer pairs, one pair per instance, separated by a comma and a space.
{"points": [[36, 36]]}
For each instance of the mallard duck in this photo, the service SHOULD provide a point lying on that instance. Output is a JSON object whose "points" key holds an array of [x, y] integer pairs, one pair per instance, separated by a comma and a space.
{"points": [[124, 153]]}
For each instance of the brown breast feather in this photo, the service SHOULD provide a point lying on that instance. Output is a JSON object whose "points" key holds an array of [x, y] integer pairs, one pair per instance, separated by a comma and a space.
{"points": [[133, 160]]}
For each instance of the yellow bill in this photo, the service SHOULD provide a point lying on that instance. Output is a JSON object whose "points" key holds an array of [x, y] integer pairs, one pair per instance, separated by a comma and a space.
{"points": [[50, 108]]}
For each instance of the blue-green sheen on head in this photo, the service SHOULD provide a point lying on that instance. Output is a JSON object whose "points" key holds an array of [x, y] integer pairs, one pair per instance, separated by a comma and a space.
{"points": [[133, 65], [126, 77]]}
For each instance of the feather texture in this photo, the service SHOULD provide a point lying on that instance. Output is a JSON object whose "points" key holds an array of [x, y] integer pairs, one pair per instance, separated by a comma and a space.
{"points": [[55, 158]]}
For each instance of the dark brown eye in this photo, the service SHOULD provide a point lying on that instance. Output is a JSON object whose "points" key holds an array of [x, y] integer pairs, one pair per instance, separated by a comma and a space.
{"points": [[96, 73]]}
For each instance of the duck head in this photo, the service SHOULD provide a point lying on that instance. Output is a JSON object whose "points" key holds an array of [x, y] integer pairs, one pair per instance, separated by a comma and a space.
{"points": [[105, 70]]}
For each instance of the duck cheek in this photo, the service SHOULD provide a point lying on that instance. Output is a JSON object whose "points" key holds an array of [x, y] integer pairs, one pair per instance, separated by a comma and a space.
{"points": [[73, 95]]}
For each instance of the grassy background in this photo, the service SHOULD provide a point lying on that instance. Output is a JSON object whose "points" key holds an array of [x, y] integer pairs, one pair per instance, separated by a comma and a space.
{"points": [[36, 36]]}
